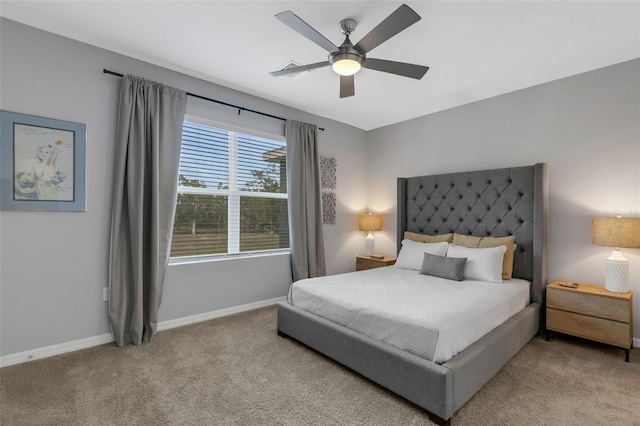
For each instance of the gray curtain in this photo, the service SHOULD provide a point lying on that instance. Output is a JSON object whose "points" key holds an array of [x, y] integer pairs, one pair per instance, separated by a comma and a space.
{"points": [[305, 201], [144, 203]]}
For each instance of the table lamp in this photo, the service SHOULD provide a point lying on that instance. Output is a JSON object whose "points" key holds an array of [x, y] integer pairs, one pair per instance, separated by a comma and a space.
{"points": [[616, 232], [370, 222]]}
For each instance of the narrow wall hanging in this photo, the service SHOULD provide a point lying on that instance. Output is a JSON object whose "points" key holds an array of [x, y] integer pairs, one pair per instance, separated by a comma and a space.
{"points": [[328, 168], [328, 180], [328, 208]]}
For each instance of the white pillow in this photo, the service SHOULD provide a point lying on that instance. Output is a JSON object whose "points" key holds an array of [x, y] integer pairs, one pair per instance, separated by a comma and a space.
{"points": [[412, 253], [483, 264]]}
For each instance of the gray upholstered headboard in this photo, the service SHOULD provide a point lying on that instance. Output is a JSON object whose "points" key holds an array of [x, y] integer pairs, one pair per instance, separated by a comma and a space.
{"points": [[494, 203]]}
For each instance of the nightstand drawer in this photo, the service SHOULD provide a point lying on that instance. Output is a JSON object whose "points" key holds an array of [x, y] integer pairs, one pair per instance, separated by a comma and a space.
{"points": [[588, 304], [365, 262], [601, 330]]}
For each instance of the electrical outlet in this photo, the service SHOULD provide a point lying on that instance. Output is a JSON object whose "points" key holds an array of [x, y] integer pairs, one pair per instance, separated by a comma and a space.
{"points": [[105, 294]]}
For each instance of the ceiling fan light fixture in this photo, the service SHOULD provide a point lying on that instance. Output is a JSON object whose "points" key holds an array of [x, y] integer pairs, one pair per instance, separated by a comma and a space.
{"points": [[346, 61], [346, 67]]}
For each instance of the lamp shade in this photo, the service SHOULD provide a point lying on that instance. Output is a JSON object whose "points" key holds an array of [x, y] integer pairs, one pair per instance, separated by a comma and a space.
{"points": [[616, 232], [370, 222]]}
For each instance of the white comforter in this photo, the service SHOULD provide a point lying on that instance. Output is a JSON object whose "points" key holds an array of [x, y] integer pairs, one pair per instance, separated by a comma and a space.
{"points": [[431, 317]]}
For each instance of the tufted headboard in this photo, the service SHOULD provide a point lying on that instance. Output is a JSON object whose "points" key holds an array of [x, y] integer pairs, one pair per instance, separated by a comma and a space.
{"points": [[494, 203]]}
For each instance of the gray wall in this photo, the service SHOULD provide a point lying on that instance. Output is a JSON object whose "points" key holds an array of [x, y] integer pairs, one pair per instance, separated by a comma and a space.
{"points": [[54, 265], [585, 127]]}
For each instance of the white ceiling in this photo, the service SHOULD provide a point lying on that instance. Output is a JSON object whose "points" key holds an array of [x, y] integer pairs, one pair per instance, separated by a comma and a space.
{"points": [[476, 49]]}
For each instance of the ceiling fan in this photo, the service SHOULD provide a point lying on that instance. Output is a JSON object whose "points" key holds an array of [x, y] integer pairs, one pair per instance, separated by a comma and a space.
{"points": [[347, 59]]}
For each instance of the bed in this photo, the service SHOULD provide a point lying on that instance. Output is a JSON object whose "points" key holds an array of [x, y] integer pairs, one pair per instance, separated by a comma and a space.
{"points": [[488, 203]]}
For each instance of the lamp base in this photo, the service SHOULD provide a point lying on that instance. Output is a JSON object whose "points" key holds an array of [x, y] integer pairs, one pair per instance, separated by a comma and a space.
{"points": [[368, 244], [617, 273]]}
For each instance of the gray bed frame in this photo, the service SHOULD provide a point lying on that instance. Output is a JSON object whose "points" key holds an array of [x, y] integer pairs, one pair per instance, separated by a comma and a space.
{"points": [[497, 203]]}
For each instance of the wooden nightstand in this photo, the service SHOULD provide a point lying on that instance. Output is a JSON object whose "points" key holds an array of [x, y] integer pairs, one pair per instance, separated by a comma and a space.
{"points": [[591, 312], [365, 262]]}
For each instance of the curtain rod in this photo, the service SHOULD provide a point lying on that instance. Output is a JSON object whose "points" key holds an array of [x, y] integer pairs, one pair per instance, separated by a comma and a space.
{"points": [[239, 108]]}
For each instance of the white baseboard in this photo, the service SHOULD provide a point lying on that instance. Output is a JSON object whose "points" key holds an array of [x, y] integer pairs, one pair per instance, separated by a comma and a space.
{"points": [[180, 322], [636, 342], [75, 345], [53, 350]]}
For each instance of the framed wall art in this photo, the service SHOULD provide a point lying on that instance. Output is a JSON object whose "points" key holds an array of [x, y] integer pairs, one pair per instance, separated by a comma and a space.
{"points": [[42, 163]]}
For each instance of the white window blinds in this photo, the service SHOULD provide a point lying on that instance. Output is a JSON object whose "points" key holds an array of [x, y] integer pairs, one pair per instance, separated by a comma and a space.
{"points": [[231, 195]]}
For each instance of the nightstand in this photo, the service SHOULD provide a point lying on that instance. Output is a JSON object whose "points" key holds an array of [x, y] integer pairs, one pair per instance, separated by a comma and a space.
{"points": [[365, 262], [591, 312]]}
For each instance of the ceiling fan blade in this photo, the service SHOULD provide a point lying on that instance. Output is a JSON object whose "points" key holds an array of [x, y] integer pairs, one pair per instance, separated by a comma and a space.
{"points": [[294, 22], [347, 87], [398, 68], [401, 19], [301, 68]]}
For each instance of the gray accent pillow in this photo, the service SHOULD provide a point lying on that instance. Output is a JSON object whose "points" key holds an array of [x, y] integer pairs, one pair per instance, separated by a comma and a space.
{"points": [[451, 268]]}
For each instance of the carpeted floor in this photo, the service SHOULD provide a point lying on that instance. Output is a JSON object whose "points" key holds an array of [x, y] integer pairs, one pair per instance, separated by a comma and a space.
{"points": [[237, 371]]}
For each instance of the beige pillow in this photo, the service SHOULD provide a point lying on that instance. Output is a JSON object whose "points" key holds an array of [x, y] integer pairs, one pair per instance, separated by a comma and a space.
{"points": [[485, 242], [466, 240], [422, 238]]}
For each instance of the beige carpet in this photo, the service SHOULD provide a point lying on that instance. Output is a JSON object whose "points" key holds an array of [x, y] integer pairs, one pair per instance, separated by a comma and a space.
{"points": [[237, 371]]}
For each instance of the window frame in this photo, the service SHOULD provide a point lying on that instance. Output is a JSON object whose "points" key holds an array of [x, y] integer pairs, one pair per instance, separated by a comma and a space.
{"points": [[233, 195]]}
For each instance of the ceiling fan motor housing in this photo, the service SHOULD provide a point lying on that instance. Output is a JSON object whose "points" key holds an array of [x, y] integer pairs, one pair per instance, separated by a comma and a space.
{"points": [[346, 51]]}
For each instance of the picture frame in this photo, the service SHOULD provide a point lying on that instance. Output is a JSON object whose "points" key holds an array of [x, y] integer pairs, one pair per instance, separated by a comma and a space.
{"points": [[42, 163]]}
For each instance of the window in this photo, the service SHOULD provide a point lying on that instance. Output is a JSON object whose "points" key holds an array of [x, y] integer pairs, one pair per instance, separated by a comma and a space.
{"points": [[232, 193]]}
